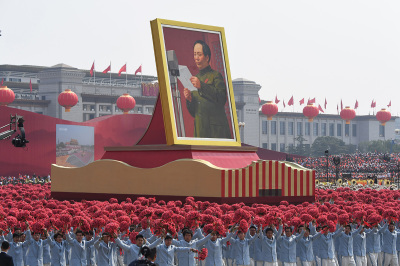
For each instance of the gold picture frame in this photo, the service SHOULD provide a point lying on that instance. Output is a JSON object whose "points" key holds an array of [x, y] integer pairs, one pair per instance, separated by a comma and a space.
{"points": [[198, 119]]}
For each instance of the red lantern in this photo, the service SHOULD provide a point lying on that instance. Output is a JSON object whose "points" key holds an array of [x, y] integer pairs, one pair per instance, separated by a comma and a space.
{"points": [[7, 96], [269, 109], [310, 111], [383, 116], [67, 99], [126, 103], [348, 114]]}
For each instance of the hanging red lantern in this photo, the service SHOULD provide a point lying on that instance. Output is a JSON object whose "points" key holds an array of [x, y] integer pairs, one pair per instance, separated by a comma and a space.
{"points": [[310, 111], [348, 114], [67, 99], [383, 116], [126, 103], [269, 109], [7, 96]]}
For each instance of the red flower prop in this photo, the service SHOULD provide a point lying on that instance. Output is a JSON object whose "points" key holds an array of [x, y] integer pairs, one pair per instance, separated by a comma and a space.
{"points": [[37, 227], [390, 215], [202, 255], [111, 228], [343, 219], [306, 218], [374, 219], [98, 223], [207, 219], [243, 226], [11, 221], [124, 226], [241, 214], [322, 220]]}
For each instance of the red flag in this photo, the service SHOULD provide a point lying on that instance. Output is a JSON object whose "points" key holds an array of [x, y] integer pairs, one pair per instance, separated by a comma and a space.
{"points": [[2, 81], [123, 69], [337, 108], [276, 99], [325, 104], [312, 100], [341, 105], [108, 69], [291, 101], [373, 104], [356, 105], [92, 69], [320, 108], [138, 70], [390, 103], [30, 85], [259, 99], [301, 101], [284, 105]]}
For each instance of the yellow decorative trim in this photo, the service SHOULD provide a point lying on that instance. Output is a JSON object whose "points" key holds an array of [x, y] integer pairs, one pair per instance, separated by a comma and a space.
{"points": [[165, 90]]}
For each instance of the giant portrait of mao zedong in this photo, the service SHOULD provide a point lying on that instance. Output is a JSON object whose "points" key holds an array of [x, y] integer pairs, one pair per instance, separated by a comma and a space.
{"points": [[195, 85]]}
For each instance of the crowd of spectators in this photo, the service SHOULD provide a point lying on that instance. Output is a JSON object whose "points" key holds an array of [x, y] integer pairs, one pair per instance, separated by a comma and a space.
{"points": [[24, 179], [357, 165]]}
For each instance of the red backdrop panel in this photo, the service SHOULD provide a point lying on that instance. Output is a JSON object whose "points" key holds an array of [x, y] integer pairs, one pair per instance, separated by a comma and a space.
{"points": [[40, 153]]}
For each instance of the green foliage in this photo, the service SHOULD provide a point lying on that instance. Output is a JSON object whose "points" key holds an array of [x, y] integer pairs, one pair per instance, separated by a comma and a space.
{"points": [[61, 145], [300, 148], [337, 146], [381, 146], [334, 145]]}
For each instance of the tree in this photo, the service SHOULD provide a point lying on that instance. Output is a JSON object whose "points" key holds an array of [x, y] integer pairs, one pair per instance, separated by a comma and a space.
{"points": [[301, 148], [334, 145], [380, 146]]}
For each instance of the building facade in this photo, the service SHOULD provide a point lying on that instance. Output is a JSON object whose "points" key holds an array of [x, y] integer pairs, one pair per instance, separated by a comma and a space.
{"points": [[98, 95], [283, 131]]}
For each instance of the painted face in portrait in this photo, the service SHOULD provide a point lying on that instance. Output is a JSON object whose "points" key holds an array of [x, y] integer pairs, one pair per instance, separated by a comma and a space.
{"points": [[199, 58]]}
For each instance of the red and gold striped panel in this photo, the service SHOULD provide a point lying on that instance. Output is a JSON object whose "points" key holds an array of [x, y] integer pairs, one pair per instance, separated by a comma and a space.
{"points": [[290, 179]]}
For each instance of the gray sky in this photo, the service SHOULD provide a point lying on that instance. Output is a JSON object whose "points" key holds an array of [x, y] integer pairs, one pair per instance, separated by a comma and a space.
{"points": [[335, 49]]}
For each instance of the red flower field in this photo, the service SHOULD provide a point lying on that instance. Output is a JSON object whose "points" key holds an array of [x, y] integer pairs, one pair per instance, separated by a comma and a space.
{"points": [[32, 204]]}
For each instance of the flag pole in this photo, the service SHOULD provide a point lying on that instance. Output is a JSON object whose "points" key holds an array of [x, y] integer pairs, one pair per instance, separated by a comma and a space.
{"points": [[141, 74], [94, 72], [126, 75], [110, 73]]}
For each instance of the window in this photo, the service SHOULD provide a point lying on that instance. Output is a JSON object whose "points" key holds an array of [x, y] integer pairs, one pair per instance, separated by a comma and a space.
{"points": [[14, 80], [323, 129], [291, 147], [265, 127], [139, 110], [347, 130], [273, 146], [315, 129], [282, 147], [307, 128], [331, 129], [265, 145], [299, 128], [291, 128], [381, 131], [282, 127], [339, 130], [273, 127], [354, 130]]}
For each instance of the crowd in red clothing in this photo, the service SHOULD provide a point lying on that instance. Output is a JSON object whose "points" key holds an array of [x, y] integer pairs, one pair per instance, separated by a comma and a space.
{"points": [[359, 165], [24, 179]]}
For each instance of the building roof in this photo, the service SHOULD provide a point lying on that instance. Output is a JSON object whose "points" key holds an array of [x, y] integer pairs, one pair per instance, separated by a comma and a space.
{"points": [[243, 80], [62, 65]]}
